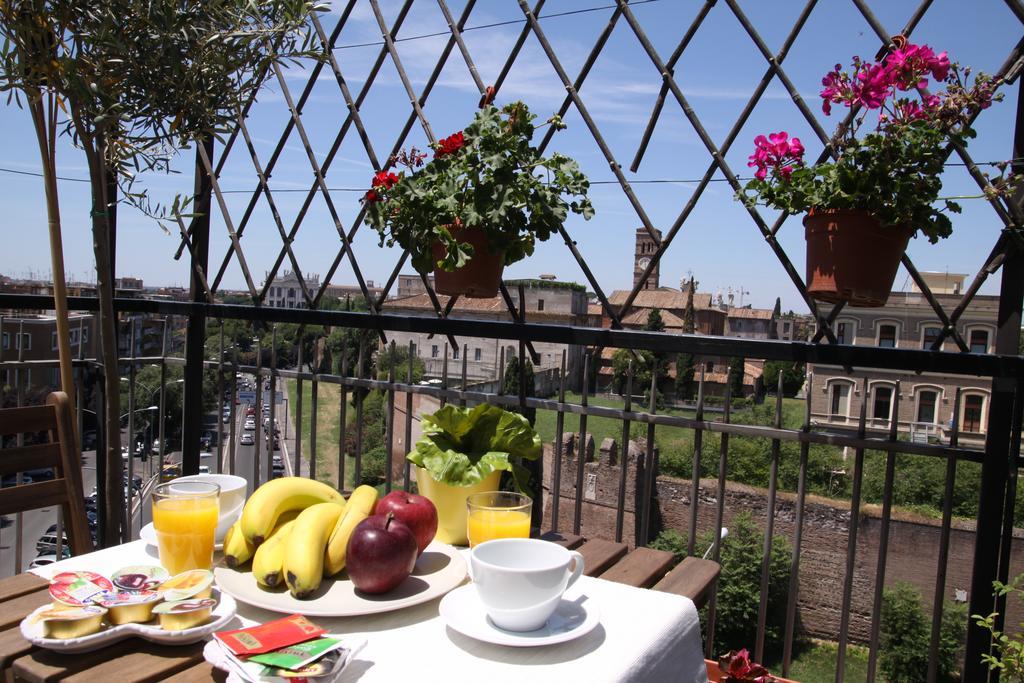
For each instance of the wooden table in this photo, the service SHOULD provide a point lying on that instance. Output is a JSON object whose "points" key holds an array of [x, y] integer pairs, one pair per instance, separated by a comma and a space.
{"points": [[138, 660]]}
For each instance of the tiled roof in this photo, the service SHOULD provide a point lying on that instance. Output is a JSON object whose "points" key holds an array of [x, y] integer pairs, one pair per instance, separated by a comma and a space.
{"points": [[494, 306], [639, 317], [661, 298], [750, 313]]}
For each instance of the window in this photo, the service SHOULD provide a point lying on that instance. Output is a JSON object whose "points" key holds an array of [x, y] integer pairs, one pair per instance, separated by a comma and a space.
{"points": [[540, 304], [455, 352], [709, 367], [6, 343], [973, 405], [844, 333], [53, 341], [26, 341], [85, 335], [433, 351], [415, 349], [887, 336], [291, 293], [928, 338], [926, 401], [882, 406], [477, 354], [785, 327], [839, 404], [979, 341]]}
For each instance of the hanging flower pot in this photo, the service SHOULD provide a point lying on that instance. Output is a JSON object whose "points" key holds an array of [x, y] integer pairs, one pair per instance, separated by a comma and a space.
{"points": [[480, 277], [851, 257]]}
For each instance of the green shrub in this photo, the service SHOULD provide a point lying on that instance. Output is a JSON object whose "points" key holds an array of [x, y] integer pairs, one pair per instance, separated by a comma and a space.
{"points": [[906, 635], [671, 541]]}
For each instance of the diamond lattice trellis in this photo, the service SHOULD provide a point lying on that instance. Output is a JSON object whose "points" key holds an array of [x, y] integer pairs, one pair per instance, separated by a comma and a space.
{"points": [[353, 134]]}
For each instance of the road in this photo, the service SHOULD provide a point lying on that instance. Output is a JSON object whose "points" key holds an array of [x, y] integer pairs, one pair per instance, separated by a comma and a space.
{"points": [[34, 523]]}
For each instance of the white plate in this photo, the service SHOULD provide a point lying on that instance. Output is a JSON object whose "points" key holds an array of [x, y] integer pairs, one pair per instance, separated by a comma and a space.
{"points": [[438, 570], [222, 614], [575, 616], [148, 534]]}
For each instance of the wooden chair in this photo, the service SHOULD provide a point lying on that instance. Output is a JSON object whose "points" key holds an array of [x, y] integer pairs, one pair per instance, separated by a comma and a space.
{"points": [[59, 452]]}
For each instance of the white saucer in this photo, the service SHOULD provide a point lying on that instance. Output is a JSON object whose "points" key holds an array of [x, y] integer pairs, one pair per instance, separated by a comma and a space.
{"points": [[148, 534], [576, 615]]}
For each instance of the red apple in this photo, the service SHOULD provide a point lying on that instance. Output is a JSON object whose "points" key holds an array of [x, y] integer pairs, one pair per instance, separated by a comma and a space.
{"points": [[381, 553], [416, 512]]}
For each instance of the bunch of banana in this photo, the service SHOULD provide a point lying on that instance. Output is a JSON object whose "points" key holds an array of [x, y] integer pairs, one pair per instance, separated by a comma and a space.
{"points": [[359, 506], [268, 560], [237, 548], [303, 565], [267, 503]]}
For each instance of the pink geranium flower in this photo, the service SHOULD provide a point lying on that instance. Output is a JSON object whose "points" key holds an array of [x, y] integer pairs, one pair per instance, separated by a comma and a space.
{"points": [[778, 152]]}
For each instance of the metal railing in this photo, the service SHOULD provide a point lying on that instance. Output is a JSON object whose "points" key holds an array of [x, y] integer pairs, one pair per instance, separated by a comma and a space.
{"points": [[398, 386]]}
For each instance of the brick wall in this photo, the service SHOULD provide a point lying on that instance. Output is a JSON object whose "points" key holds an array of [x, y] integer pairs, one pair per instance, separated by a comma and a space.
{"points": [[913, 541]]}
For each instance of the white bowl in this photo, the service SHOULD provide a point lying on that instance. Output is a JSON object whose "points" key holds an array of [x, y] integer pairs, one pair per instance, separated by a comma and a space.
{"points": [[232, 498]]}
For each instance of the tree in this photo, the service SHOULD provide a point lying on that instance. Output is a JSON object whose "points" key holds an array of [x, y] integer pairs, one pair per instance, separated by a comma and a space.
{"points": [[793, 376], [736, 372], [654, 321], [510, 386], [777, 311], [643, 361], [685, 362], [134, 82], [906, 635], [398, 357]]}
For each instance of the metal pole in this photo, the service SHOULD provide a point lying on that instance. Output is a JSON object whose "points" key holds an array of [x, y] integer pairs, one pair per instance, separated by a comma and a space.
{"points": [[995, 469], [195, 340]]}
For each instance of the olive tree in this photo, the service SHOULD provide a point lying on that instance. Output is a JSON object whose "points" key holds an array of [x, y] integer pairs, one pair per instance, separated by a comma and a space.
{"points": [[131, 83]]}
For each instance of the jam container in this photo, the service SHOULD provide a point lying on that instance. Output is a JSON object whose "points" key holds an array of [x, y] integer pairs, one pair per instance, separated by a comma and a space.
{"points": [[182, 614], [139, 577], [62, 622], [194, 583], [79, 588], [129, 607]]}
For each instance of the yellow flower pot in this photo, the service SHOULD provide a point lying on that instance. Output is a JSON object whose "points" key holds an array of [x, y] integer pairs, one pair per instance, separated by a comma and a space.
{"points": [[450, 502]]}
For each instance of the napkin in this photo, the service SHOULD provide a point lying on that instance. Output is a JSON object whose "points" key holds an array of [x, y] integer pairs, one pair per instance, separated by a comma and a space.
{"points": [[239, 672]]}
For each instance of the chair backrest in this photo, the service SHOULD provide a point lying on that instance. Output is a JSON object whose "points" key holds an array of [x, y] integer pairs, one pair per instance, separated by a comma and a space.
{"points": [[59, 452]]}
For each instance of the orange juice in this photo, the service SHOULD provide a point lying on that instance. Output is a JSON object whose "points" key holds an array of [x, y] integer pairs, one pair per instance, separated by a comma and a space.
{"points": [[488, 524], [184, 531]]}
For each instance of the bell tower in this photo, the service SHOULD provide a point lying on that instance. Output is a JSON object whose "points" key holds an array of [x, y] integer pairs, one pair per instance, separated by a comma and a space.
{"points": [[645, 248]]}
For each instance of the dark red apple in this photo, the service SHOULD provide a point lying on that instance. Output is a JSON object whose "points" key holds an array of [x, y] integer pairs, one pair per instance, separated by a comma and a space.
{"points": [[416, 512], [381, 553]]}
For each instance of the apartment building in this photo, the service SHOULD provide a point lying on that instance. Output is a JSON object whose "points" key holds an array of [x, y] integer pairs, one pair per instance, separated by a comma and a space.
{"points": [[926, 400]]}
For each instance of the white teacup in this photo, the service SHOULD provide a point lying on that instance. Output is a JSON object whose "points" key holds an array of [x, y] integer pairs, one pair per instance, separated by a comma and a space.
{"points": [[521, 580], [232, 498]]}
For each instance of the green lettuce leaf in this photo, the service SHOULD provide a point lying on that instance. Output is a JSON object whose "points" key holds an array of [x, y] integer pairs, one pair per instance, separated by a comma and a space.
{"points": [[462, 446]]}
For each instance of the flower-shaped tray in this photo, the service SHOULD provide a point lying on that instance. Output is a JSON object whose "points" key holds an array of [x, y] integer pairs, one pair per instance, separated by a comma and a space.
{"points": [[223, 613]]}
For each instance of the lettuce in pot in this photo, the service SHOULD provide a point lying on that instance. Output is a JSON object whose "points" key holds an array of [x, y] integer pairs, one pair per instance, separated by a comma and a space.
{"points": [[462, 446]]}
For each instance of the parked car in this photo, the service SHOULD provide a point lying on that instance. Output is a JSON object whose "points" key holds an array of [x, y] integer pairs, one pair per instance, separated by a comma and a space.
{"points": [[49, 558], [48, 542], [226, 418], [250, 425], [12, 480], [277, 472], [170, 472], [247, 440], [204, 469], [251, 410]]}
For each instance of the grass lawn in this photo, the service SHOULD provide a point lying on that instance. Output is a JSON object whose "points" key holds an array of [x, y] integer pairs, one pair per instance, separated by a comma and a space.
{"points": [[817, 663], [327, 427]]}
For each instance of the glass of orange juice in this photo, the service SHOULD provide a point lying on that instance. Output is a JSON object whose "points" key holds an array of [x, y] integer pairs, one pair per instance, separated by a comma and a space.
{"points": [[185, 519], [497, 514]]}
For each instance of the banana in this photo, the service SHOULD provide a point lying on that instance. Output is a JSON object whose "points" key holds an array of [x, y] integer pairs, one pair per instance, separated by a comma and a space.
{"points": [[269, 557], [303, 566], [277, 496], [237, 548], [359, 506]]}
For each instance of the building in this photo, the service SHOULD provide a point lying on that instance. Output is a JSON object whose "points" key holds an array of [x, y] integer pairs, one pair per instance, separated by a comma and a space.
{"points": [[546, 301], [671, 303], [286, 292], [34, 338], [644, 250], [344, 292], [926, 400], [749, 323], [411, 285], [794, 327]]}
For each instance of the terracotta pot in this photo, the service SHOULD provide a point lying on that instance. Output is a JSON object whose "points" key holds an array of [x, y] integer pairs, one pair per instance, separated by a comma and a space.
{"points": [[715, 674], [480, 277], [851, 257]]}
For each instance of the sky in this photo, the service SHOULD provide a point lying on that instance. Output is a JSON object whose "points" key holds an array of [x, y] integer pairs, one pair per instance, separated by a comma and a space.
{"points": [[719, 243]]}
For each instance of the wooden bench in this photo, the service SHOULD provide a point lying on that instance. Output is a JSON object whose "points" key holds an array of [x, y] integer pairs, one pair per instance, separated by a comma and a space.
{"points": [[693, 578]]}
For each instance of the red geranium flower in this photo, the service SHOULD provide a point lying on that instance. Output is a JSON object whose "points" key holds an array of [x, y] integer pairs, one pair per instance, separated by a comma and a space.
{"points": [[449, 144], [371, 196], [384, 179]]}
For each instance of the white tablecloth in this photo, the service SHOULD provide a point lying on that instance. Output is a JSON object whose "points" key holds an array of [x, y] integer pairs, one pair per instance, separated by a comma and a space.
{"points": [[644, 635]]}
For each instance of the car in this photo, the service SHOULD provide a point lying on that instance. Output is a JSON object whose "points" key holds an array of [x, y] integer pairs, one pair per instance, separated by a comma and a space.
{"points": [[277, 460], [249, 425], [247, 440], [226, 418], [251, 410], [204, 469], [89, 440], [48, 542], [12, 480], [170, 472], [49, 558], [277, 472]]}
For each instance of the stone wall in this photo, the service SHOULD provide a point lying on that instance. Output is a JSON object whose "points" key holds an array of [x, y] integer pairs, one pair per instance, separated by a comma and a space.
{"points": [[912, 550]]}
